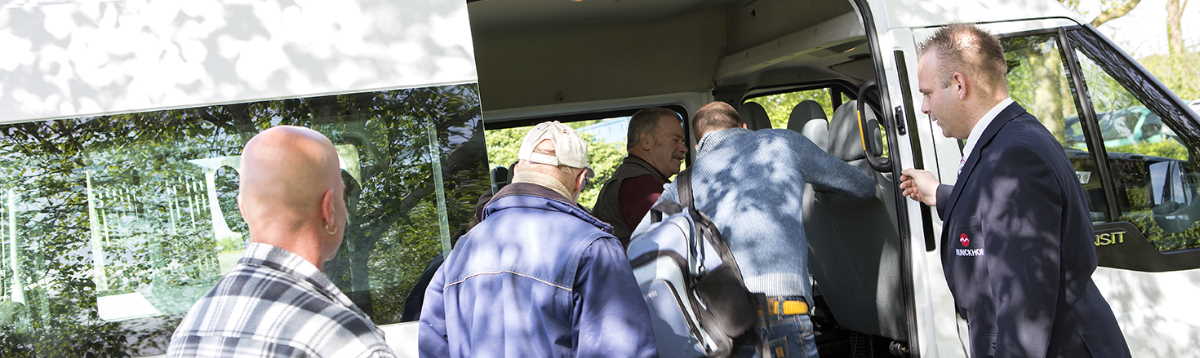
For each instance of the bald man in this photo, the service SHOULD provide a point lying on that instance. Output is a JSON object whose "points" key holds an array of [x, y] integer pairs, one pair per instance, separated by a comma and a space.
{"points": [[539, 276], [276, 302]]}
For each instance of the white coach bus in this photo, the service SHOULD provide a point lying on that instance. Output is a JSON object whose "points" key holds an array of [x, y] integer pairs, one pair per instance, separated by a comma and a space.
{"points": [[121, 122]]}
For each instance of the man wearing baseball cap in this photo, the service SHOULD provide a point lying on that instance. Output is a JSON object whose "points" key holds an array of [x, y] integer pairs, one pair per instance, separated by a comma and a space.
{"points": [[539, 276]]}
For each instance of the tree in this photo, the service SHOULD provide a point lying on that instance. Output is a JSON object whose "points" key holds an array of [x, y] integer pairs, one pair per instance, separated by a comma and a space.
{"points": [[1036, 79], [1175, 26], [154, 214], [1178, 72], [1047, 71], [1110, 9]]}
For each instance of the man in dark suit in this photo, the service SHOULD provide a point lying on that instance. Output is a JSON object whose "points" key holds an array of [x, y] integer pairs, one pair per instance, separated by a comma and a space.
{"points": [[1016, 238]]}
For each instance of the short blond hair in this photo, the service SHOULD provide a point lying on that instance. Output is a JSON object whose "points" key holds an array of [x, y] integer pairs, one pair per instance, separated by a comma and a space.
{"points": [[717, 115], [965, 48]]}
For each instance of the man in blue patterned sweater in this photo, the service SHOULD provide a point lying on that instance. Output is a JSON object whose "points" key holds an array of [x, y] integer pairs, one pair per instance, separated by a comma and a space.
{"points": [[751, 184]]}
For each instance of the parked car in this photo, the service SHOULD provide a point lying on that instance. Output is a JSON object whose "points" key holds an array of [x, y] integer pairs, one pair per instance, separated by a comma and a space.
{"points": [[1127, 126]]}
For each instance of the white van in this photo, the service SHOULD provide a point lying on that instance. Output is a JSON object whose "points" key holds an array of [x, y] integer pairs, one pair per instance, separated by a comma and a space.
{"points": [[122, 122], [880, 287]]}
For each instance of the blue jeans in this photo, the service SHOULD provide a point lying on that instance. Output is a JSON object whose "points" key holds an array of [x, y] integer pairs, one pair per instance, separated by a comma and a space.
{"points": [[785, 336], [790, 336]]}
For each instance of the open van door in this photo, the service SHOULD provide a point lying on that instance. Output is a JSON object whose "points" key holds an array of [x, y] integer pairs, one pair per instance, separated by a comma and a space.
{"points": [[1133, 145], [1132, 142]]}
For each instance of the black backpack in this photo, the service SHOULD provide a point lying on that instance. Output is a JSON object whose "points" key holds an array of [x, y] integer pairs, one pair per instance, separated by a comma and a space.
{"points": [[690, 280]]}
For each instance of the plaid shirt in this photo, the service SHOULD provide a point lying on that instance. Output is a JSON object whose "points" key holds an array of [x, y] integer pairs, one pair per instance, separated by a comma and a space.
{"points": [[276, 304]]}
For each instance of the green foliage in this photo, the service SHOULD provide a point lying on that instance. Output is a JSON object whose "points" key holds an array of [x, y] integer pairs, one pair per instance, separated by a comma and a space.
{"points": [[1037, 80], [149, 206], [503, 145], [779, 109], [779, 106], [1163, 241], [1106, 94], [28, 330], [1166, 149], [1178, 72]]}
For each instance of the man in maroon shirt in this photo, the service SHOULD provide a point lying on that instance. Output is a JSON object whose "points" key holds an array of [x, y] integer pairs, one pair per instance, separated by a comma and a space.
{"points": [[655, 146]]}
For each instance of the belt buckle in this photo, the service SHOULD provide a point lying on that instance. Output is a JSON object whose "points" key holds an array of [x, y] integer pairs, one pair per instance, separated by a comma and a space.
{"points": [[786, 307]]}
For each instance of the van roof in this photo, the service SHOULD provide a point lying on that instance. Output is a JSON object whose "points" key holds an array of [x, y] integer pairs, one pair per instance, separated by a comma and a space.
{"points": [[537, 57]]}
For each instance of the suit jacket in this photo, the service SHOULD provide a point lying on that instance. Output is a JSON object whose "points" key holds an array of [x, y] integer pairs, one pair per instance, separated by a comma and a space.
{"points": [[1018, 248]]}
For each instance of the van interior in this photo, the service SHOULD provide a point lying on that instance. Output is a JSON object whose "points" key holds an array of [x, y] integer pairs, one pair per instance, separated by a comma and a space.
{"points": [[574, 60]]}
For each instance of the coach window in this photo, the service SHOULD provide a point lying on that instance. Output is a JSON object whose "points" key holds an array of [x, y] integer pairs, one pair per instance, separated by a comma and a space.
{"points": [[112, 226]]}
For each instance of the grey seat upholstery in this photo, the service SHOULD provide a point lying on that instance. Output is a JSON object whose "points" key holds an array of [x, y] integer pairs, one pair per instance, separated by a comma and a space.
{"points": [[854, 245], [808, 119], [755, 116]]}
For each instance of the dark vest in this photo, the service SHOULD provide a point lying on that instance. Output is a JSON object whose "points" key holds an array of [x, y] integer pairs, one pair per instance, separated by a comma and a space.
{"points": [[608, 206]]}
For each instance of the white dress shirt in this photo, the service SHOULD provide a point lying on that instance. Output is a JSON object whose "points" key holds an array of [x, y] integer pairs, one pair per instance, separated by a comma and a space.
{"points": [[980, 126]]}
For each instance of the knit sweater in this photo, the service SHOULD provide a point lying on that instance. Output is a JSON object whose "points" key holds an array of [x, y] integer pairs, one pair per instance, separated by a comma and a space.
{"points": [[751, 183]]}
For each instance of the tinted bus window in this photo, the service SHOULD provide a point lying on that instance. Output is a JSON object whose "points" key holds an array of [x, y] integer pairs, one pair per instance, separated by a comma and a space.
{"points": [[113, 226]]}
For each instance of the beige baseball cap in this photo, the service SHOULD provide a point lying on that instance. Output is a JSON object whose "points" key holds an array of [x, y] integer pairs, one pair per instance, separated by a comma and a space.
{"points": [[569, 149]]}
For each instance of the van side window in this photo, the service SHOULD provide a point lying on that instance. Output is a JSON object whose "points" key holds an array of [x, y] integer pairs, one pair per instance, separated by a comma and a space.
{"points": [[606, 149], [1156, 179], [1038, 80]]}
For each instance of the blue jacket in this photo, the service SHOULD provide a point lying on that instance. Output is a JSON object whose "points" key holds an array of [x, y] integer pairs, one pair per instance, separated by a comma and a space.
{"points": [[1017, 248], [538, 277]]}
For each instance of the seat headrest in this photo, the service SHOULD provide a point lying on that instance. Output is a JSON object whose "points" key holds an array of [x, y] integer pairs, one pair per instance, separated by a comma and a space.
{"points": [[808, 119], [845, 140], [755, 116]]}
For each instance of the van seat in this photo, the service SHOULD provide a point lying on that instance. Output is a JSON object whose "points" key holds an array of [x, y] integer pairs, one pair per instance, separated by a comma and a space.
{"points": [[755, 116], [808, 119], [854, 245]]}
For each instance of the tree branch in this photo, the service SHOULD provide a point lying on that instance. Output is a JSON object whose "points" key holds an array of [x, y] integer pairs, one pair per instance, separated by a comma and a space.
{"points": [[1114, 12]]}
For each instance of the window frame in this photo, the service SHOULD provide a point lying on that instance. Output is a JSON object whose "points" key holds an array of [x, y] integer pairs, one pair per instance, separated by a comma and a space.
{"points": [[836, 87], [1140, 254], [593, 115]]}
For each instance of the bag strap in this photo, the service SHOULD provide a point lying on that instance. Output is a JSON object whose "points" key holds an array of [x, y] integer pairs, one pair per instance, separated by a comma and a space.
{"points": [[683, 185]]}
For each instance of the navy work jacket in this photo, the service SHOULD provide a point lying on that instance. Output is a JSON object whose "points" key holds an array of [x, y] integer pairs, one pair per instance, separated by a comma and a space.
{"points": [[538, 277], [1017, 248]]}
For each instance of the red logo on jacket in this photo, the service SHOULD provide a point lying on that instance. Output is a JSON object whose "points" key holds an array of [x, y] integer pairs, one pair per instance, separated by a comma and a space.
{"points": [[964, 240]]}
